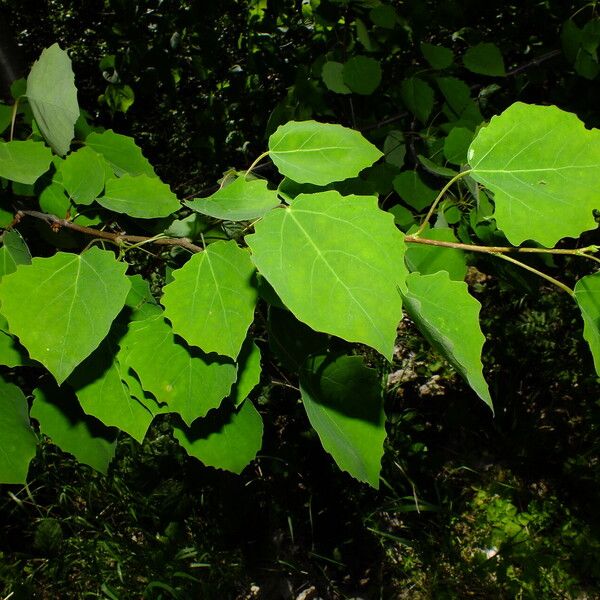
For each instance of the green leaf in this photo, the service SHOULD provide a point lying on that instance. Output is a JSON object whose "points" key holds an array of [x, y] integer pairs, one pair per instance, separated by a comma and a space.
{"points": [[456, 92], [140, 196], [448, 317], [14, 252], [438, 57], [435, 169], [17, 440], [587, 294], [99, 384], [485, 59], [52, 95], [343, 401], [225, 439], [24, 162], [384, 16], [140, 300], [72, 301], [239, 201], [5, 117], [543, 166], [188, 381], [331, 251], [211, 301], [83, 175], [413, 190], [319, 153], [417, 97], [457, 144], [428, 259], [12, 354], [333, 77], [394, 148], [362, 74], [249, 371], [121, 152], [64, 422], [53, 200]]}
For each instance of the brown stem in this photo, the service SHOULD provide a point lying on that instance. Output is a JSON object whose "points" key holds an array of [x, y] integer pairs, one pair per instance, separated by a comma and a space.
{"points": [[56, 223]]}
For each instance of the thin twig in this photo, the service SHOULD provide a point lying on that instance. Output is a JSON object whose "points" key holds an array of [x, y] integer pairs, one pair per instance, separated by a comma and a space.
{"points": [[56, 223]]}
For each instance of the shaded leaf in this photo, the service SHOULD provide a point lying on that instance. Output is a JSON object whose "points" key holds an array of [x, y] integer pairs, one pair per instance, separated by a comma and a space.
{"points": [[52, 95], [413, 190], [333, 77], [24, 162], [17, 440], [457, 144], [448, 317], [140, 196], [14, 252], [249, 370], [438, 57], [83, 175], [362, 74], [226, 439], [344, 403], [417, 97], [485, 59], [64, 422], [121, 153], [587, 296]]}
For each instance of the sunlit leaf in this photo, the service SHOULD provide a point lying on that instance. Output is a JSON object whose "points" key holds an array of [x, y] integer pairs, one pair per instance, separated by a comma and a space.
{"points": [[211, 301], [543, 166], [336, 262], [319, 153], [188, 381], [239, 201], [72, 301]]}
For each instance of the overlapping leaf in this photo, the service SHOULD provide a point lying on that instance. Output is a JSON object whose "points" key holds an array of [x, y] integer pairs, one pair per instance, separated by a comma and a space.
{"points": [[24, 162], [343, 401], [121, 153], [63, 421], [448, 316], [140, 196], [52, 95], [188, 381], [239, 201], [336, 262], [320, 153], [226, 439], [72, 301], [587, 295], [211, 301], [17, 439], [543, 166], [83, 175], [14, 252], [249, 370], [100, 386]]}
